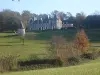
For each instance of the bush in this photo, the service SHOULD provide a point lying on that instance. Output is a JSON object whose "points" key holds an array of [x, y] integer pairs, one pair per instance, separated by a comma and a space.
{"points": [[63, 49], [73, 61], [59, 62], [55, 62], [81, 41], [35, 67], [56, 45], [8, 63], [39, 64], [90, 55], [99, 53]]}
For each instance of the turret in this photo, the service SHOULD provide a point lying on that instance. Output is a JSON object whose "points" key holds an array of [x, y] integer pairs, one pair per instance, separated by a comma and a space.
{"points": [[59, 23], [21, 29]]}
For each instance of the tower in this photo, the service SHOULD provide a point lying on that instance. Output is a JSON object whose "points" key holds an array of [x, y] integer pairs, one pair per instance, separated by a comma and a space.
{"points": [[58, 23], [21, 30]]}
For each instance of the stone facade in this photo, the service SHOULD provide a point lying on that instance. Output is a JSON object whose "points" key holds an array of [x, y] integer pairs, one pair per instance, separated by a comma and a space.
{"points": [[48, 24]]}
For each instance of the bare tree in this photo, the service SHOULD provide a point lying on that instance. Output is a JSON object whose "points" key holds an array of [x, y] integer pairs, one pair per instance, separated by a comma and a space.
{"points": [[56, 44], [80, 17], [26, 15], [62, 49]]}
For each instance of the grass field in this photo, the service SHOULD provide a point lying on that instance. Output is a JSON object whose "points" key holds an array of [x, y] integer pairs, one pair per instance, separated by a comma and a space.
{"points": [[36, 42], [91, 68], [13, 45]]}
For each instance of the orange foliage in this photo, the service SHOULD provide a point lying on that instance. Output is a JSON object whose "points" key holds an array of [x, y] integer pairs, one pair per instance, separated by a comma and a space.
{"points": [[81, 41]]}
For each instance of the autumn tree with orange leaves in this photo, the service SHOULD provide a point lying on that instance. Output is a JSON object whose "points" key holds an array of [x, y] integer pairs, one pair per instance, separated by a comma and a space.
{"points": [[81, 41]]}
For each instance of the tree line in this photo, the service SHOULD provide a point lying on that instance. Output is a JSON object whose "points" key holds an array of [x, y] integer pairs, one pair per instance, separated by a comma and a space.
{"points": [[10, 20]]}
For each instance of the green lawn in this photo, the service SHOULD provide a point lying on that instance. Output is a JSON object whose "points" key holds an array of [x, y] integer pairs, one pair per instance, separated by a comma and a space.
{"points": [[13, 45], [91, 68], [36, 42]]}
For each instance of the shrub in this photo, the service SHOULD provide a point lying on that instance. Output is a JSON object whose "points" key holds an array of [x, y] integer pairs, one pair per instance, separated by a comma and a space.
{"points": [[89, 55], [73, 60], [8, 63], [56, 44], [99, 53], [81, 41], [40, 61], [59, 47], [39, 64], [35, 67], [59, 62]]}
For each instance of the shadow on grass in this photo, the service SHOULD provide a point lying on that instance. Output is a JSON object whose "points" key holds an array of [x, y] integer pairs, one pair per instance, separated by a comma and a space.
{"points": [[20, 44], [5, 45], [47, 35], [11, 42], [95, 40], [95, 46], [15, 42], [8, 36]]}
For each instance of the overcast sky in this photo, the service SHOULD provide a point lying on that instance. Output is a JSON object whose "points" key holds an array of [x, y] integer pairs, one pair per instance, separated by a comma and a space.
{"points": [[46, 6]]}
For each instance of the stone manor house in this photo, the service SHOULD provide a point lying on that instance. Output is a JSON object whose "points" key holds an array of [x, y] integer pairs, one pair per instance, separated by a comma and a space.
{"points": [[49, 23]]}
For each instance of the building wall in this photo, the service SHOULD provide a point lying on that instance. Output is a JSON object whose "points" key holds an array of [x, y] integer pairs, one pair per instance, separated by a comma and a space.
{"points": [[67, 25], [52, 24], [43, 26]]}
